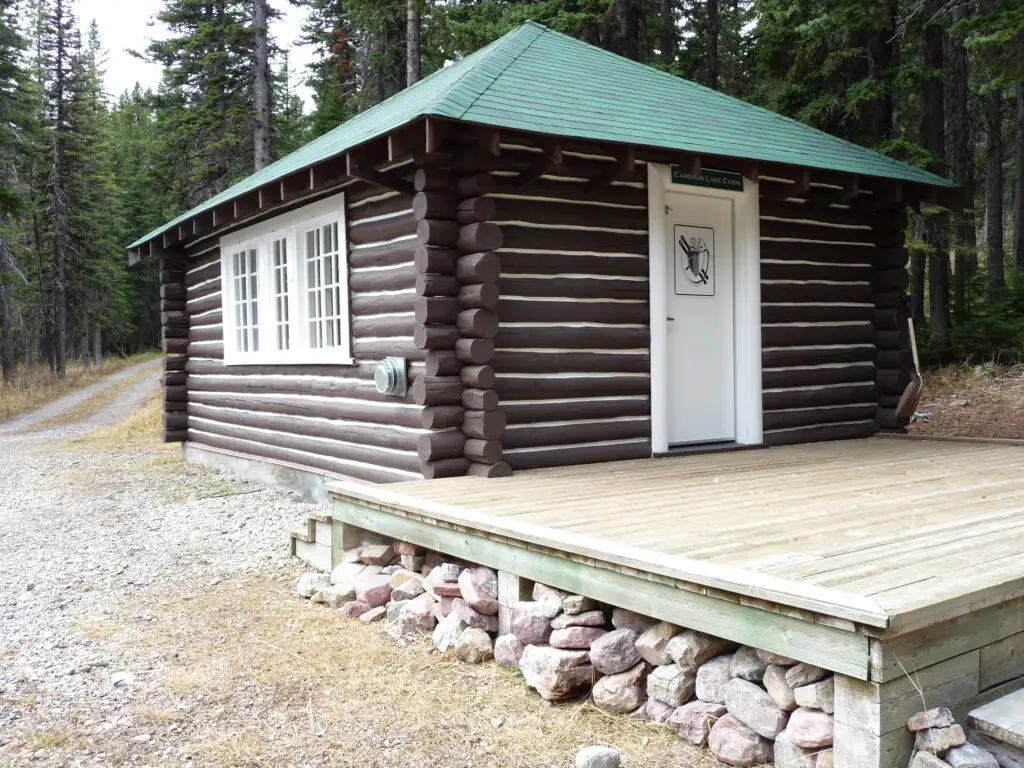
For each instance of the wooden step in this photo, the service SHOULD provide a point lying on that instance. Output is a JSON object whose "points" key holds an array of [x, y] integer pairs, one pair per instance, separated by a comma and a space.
{"points": [[999, 727]]}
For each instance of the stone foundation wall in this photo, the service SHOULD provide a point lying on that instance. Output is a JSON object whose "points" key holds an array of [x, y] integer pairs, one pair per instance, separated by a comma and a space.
{"points": [[748, 706]]}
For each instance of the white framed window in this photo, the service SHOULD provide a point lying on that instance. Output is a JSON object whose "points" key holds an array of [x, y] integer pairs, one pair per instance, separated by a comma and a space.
{"points": [[285, 289]]}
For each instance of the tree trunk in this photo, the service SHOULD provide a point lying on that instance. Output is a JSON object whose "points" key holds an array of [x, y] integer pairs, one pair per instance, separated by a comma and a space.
{"points": [[667, 44], [933, 134], [412, 42], [97, 344], [994, 194], [627, 28], [1018, 203], [8, 343], [58, 182], [261, 83], [712, 52], [962, 167]]}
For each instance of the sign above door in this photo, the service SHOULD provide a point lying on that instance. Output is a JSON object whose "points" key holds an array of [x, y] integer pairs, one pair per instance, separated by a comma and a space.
{"points": [[708, 178]]}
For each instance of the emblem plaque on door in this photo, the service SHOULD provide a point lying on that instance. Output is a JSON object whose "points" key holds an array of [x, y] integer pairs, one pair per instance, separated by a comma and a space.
{"points": [[694, 260]]}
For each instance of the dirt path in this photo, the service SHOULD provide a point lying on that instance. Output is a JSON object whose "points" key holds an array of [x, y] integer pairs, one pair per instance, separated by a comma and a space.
{"points": [[115, 411]]}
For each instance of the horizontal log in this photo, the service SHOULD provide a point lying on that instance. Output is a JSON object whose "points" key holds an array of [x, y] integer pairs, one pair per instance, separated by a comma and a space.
{"points": [[818, 434], [382, 229], [783, 358], [478, 268], [286, 453], [382, 255], [896, 339], [479, 295], [377, 327], [540, 435], [440, 445], [513, 262], [383, 206], [435, 336], [890, 239], [374, 349], [575, 287], [363, 190], [476, 209], [204, 304], [808, 335], [440, 232], [174, 346], [443, 362], [569, 456], [436, 310], [400, 278], [806, 377], [807, 231], [570, 311], [477, 323], [484, 425], [569, 213], [480, 376], [319, 407], [898, 359], [214, 317], [574, 191], [475, 185], [175, 362], [499, 469], [531, 388], [173, 332], [173, 305], [434, 470], [892, 381], [203, 333], [208, 271], [530, 412], [823, 252], [485, 451], [562, 337], [437, 285], [474, 351], [828, 215], [888, 319], [813, 398], [268, 383], [359, 434], [437, 390], [886, 418], [214, 350], [816, 416], [174, 378], [479, 399], [885, 280], [890, 258], [202, 291], [432, 179], [178, 420], [175, 435], [366, 303], [479, 237], [174, 319], [890, 300], [573, 240], [435, 205], [566, 361], [776, 293], [816, 313], [362, 373], [172, 291], [789, 270], [441, 417], [435, 260]]}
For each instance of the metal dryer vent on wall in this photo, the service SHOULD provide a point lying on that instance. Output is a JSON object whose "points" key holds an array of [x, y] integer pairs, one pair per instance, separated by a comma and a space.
{"points": [[390, 377]]}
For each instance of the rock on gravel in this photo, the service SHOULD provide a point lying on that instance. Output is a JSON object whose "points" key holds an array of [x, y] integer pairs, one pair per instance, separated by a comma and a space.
{"points": [[598, 757]]}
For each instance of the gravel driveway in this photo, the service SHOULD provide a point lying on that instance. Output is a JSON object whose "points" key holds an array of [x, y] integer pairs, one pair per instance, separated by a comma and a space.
{"points": [[86, 536]]}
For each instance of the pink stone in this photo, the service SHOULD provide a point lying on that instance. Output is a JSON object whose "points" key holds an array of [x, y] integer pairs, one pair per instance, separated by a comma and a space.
{"points": [[508, 651], [575, 637], [588, 619], [693, 721], [473, 618], [531, 623], [374, 614], [354, 609], [377, 554], [735, 744], [479, 588], [444, 589]]}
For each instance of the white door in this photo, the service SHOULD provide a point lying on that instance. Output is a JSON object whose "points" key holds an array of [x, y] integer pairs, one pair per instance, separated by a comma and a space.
{"points": [[701, 337]]}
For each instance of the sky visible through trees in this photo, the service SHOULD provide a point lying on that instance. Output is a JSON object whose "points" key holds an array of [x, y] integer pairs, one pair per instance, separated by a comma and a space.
{"points": [[938, 83]]}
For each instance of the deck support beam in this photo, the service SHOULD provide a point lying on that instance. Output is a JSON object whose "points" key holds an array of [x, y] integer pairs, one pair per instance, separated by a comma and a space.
{"points": [[511, 589], [343, 536]]}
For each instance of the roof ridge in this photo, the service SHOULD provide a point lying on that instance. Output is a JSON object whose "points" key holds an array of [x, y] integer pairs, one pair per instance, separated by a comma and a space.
{"points": [[540, 33]]}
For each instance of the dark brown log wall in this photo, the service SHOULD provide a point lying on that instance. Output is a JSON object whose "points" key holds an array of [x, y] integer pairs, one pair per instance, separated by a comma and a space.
{"points": [[174, 322], [572, 352], [329, 418], [821, 323]]}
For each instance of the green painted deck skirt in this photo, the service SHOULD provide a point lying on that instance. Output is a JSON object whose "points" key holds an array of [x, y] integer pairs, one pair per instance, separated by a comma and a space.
{"points": [[537, 80]]}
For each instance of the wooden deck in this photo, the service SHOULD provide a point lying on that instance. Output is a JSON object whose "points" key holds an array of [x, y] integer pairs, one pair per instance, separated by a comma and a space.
{"points": [[881, 536]]}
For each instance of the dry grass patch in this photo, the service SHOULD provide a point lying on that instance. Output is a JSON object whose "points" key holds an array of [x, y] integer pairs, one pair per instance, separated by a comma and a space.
{"points": [[282, 682], [36, 387], [142, 428], [973, 401]]}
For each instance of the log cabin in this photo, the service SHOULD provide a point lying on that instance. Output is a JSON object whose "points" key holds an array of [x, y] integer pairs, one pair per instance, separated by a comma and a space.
{"points": [[526, 312], [554, 256]]}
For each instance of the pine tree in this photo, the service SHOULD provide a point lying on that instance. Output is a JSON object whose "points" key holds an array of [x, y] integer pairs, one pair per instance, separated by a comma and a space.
{"points": [[261, 75], [332, 77]]}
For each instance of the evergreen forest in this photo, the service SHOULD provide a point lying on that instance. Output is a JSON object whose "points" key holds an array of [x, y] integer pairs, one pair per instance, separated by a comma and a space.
{"points": [[84, 172]]}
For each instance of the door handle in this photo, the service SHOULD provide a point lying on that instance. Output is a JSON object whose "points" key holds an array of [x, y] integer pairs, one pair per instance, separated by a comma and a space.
{"points": [[670, 319]]}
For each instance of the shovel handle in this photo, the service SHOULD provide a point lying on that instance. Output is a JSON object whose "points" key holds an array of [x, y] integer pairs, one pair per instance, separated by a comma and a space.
{"points": [[913, 346]]}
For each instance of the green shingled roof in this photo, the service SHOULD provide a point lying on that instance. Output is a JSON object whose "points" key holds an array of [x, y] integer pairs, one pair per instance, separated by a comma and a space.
{"points": [[537, 80]]}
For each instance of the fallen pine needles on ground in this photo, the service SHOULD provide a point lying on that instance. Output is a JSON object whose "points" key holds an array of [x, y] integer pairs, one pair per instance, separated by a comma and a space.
{"points": [[972, 401]]}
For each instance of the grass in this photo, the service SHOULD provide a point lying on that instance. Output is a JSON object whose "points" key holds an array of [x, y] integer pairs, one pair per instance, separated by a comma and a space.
{"points": [[94, 404], [271, 680], [36, 387], [140, 429]]}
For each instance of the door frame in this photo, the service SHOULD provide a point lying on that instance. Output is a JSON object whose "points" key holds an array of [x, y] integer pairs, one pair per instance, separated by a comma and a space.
{"points": [[746, 303]]}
